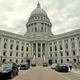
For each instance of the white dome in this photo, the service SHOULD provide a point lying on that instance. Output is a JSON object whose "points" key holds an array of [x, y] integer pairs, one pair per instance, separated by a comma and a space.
{"points": [[38, 11]]}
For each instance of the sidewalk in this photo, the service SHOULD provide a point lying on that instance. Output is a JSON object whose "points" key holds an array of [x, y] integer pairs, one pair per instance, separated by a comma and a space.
{"points": [[76, 71]]}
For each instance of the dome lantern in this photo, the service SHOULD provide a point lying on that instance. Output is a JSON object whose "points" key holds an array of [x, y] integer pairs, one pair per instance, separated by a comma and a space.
{"points": [[38, 5]]}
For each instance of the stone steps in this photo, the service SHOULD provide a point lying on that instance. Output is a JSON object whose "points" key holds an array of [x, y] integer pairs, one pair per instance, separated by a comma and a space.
{"points": [[39, 61]]}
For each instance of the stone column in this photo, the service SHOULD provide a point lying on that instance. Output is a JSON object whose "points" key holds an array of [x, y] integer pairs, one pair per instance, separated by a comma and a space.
{"points": [[46, 50], [58, 49], [41, 50], [32, 49], [8, 48], [53, 49], [25, 50], [63, 50], [1, 46], [70, 52], [76, 46], [36, 49], [33, 28], [1, 49], [14, 47]]}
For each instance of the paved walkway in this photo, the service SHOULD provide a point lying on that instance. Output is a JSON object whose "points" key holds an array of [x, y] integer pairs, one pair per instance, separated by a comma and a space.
{"points": [[76, 71], [45, 73]]}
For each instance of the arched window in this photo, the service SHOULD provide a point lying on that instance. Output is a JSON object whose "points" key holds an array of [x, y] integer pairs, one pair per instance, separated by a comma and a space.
{"points": [[22, 48], [61, 54], [67, 53], [22, 54], [16, 61], [17, 47], [11, 46], [67, 60], [10, 60], [4, 61], [16, 54], [55, 61], [10, 53], [55, 48], [55, 54], [61, 61], [60, 47], [21, 61], [74, 60], [50, 49], [26, 48]]}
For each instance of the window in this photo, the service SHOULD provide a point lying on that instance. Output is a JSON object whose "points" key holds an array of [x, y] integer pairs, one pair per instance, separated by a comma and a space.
{"points": [[26, 48], [60, 47], [21, 61], [50, 55], [22, 55], [43, 45], [38, 49], [5, 45], [10, 53], [74, 60], [55, 54], [17, 47], [55, 48], [16, 54], [5, 40], [10, 60], [11, 46], [4, 61], [67, 53], [72, 39], [61, 54], [73, 45], [78, 38], [55, 61], [66, 46], [43, 54], [61, 61], [16, 61], [74, 53], [39, 55], [26, 55], [22, 48], [67, 60], [50, 49], [4, 53]]}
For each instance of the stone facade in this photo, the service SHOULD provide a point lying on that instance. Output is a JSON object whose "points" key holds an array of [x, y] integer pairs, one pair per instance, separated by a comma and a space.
{"points": [[39, 41]]}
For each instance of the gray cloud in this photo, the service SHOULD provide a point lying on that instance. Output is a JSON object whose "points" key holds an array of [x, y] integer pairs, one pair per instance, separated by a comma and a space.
{"points": [[64, 14]]}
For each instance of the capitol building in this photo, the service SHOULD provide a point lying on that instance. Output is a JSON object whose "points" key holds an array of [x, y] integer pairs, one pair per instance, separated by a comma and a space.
{"points": [[39, 44]]}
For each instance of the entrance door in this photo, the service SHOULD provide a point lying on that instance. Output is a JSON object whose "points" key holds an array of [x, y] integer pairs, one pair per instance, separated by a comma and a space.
{"points": [[50, 62], [28, 61]]}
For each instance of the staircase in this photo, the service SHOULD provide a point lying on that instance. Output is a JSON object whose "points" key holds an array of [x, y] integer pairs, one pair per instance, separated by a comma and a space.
{"points": [[39, 61]]}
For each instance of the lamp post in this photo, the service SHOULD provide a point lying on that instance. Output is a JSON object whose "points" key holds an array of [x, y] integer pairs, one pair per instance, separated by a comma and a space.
{"points": [[77, 55]]}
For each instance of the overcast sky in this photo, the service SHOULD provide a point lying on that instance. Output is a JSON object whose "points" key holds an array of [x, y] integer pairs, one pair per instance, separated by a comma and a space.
{"points": [[63, 14]]}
